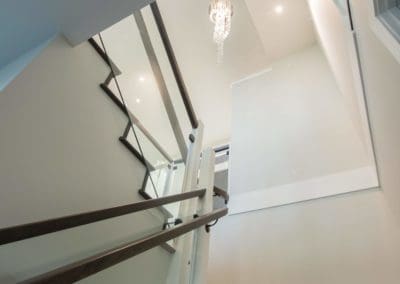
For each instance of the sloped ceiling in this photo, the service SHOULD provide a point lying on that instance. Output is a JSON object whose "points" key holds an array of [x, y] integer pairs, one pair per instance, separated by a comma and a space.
{"points": [[285, 33], [25, 24], [258, 37]]}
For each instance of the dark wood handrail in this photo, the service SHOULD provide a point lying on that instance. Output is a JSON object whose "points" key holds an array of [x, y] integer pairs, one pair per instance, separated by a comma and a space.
{"points": [[103, 55], [81, 269], [25, 231], [174, 64], [136, 153], [222, 193], [114, 98], [221, 148]]}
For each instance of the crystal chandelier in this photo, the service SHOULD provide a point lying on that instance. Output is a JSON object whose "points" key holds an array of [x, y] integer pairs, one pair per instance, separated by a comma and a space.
{"points": [[221, 12]]}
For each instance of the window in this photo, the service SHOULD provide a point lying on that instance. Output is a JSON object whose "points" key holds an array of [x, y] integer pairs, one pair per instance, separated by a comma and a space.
{"points": [[388, 12]]}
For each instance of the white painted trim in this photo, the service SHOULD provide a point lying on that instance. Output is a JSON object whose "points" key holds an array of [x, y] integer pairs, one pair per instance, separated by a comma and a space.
{"points": [[202, 238], [221, 167], [334, 184], [358, 77], [180, 269]]}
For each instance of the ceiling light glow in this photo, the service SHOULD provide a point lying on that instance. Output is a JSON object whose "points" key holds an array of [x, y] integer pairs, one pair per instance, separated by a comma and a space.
{"points": [[138, 100], [278, 9], [141, 79]]}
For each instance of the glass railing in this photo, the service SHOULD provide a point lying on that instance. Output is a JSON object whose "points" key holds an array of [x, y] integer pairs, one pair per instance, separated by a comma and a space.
{"points": [[88, 177], [167, 72], [31, 257], [145, 80], [165, 175]]}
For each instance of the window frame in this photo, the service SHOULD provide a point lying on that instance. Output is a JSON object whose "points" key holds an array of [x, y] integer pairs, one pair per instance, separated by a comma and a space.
{"points": [[381, 22]]}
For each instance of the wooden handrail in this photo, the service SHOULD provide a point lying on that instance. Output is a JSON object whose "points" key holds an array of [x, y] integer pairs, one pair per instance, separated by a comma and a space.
{"points": [[147, 196], [136, 123], [30, 230], [81, 269], [114, 98], [221, 148], [136, 153], [103, 55], [222, 193], [174, 64]]}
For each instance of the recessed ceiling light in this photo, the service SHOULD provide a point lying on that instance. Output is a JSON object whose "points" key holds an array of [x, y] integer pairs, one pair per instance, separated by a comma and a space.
{"points": [[141, 78], [278, 9], [138, 100]]}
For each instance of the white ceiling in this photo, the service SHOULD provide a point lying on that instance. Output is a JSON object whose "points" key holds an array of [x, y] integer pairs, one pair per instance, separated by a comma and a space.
{"points": [[285, 33], [258, 37]]}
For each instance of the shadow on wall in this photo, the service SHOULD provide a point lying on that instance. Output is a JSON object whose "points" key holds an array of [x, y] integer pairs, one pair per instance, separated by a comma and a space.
{"points": [[301, 129], [7, 279], [220, 181]]}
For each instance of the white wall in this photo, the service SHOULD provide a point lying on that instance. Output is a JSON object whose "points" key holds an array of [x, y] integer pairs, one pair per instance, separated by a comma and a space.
{"points": [[381, 73], [345, 239], [353, 238], [60, 155], [291, 124], [333, 33]]}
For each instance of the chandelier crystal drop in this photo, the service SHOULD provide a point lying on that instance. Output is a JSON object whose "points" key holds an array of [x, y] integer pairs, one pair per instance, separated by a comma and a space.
{"points": [[221, 12]]}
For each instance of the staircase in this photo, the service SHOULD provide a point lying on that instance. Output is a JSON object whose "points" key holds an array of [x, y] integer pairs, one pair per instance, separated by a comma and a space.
{"points": [[179, 192]]}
